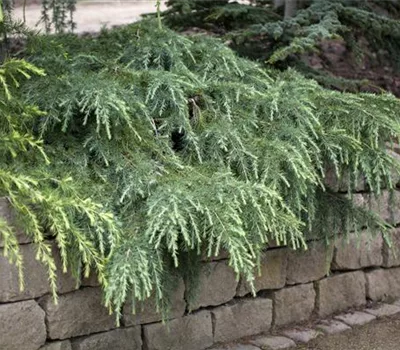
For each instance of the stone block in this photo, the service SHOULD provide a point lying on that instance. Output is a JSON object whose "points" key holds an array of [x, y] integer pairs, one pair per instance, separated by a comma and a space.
{"points": [[121, 339], [77, 313], [146, 312], [294, 304], [244, 318], [301, 335], [391, 255], [222, 255], [383, 284], [340, 292], [336, 184], [332, 326], [91, 281], [192, 332], [272, 272], [7, 213], [57, 345], [356, 318], [22, 326], [35, 277], [65, 282], [217, 285], [273, 343], [384, 310], [310, 265], [395, 153], [238, 347], [358, 251], [386, 207]]}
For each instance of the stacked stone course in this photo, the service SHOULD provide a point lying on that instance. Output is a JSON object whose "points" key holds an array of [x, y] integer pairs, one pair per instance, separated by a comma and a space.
{"points": [[294, 287]]}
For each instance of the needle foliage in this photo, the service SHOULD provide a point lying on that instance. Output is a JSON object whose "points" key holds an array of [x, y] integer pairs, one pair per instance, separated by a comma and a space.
{"points": [[192, 150], [368, 29]]}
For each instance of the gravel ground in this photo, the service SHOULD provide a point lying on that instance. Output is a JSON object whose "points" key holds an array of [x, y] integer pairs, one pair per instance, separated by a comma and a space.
{"points": [[378, 335], [92, 15]]}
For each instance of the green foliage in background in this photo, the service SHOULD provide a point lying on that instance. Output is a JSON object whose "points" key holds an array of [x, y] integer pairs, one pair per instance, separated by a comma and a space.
{"points": [[48, 204], [369, 28], [192, 149]]}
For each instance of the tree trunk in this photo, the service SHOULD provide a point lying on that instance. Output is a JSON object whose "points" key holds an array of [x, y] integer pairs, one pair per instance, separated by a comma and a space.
{"points": [[290, 8], [278, 3]]}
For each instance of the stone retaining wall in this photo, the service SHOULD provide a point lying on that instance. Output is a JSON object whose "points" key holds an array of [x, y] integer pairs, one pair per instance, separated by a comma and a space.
{"points": [[294, 287]]}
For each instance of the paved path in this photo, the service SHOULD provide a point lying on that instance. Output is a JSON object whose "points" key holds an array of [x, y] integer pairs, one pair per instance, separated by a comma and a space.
{"points": [[383, 334], [92, 15]]}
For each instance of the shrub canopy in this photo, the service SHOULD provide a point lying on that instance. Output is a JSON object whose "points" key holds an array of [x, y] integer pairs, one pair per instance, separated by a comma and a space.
{"points": [[190, 150]]}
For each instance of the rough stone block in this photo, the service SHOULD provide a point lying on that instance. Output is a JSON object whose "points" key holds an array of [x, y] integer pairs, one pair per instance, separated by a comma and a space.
{"points": [[222, 255], [121, 339], [383, 284], [386, 207], [301, 335], [357, 251], [356, 318], [57, 345], [65, 282], [217, 285], [245, 318], [22, 326], [294, 304], [340, 292], [395, 153], [192, 332], [336, 184], [7, 213], [391, 255], [273, 343], [35, 277], [332, 326], [384, 310], [310, 265], [272, 274], [91, 281], [146, 312], [77, 313], [238, 347]]}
